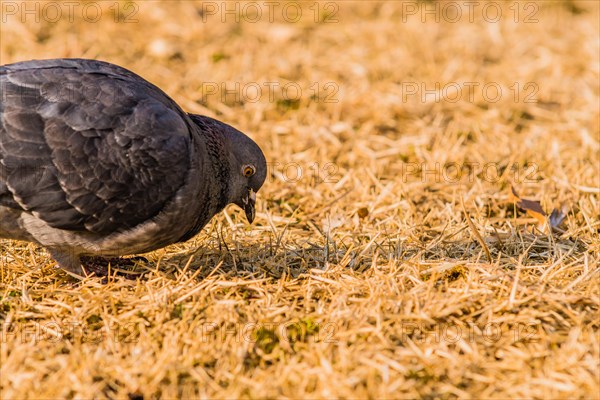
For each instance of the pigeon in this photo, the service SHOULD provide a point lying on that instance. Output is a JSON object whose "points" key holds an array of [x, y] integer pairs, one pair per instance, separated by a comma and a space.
{"points": [[97, 161]]}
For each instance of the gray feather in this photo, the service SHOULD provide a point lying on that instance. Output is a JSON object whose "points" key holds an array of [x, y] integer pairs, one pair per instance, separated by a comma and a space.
{"points": [[94, 159]]}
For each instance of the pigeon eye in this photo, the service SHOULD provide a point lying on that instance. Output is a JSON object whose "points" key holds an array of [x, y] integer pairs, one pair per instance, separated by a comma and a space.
{"points": [[248, 170]]}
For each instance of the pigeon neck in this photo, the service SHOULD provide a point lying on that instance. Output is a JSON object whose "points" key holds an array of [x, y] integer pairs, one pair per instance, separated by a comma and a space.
{"points": [[213, 189]]}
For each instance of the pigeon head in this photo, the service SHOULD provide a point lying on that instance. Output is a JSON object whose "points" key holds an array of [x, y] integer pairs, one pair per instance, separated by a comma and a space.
{"points": [[248, 170], [247, 164]]}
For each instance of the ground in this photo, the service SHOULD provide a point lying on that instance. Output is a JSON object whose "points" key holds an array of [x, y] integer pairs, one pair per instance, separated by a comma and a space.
{"points": [[387, 259]]}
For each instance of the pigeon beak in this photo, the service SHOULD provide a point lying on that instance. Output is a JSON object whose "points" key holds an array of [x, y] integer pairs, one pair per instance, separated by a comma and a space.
{"points": [[249, 203]]}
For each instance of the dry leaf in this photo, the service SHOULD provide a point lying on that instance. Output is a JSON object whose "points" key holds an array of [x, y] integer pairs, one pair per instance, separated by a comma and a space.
{"points": [[533, 208], [557, 217], [362, 212]]}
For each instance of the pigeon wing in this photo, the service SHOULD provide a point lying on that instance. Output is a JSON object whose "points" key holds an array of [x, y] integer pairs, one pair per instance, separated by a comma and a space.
{"points": [[87, 145]]}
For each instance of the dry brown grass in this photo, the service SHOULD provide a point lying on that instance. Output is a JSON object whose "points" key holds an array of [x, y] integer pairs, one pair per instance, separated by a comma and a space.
{"points": [[370, 283]]}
